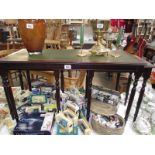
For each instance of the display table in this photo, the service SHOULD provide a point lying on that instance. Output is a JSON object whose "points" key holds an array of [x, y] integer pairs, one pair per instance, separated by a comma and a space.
{"points": [[59, 60]]}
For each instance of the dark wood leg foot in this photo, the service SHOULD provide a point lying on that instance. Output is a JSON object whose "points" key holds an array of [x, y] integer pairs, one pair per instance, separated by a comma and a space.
{"points": [[90, 78], [9, 96], [128, 86], [137, 75], [146, 75], [57, 95]]}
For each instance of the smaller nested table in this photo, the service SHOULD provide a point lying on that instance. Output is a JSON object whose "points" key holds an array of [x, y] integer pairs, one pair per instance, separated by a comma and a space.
{"points": [[59, 60]]}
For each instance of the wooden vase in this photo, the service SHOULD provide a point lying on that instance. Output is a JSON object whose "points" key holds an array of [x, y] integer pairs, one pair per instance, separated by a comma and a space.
{"points": [[33, 33]]}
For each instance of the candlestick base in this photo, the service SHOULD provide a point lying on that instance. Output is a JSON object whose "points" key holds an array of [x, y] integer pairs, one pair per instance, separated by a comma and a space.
{"points": [[83, 53]]}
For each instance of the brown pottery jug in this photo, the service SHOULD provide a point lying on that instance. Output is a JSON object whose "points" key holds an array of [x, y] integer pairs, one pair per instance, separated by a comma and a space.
{"points": [[33, 33]]}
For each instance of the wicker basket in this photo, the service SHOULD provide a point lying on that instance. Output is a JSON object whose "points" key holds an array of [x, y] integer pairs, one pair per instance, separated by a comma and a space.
{"points": [[103, 108], [76, 81], [104, 130]]}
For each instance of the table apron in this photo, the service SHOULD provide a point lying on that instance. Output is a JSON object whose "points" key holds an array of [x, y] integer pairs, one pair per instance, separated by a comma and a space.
{"points": [[51, 67]]}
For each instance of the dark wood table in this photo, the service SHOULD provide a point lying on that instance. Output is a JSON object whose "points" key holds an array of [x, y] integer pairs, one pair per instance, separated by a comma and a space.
{"points": [[59, 60]]}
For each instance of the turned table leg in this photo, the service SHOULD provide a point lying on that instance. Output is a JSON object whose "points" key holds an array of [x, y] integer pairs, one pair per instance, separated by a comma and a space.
{"points": [[62, 80], [57, 95], [89, 86], [137, 76], [86, 86], [128, 86], [9, 96], [117, 81], [146, 75], [21, 79], [28, 79]]}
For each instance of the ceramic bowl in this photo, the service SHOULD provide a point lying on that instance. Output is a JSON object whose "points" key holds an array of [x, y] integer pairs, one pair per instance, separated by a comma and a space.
{"points": [[142, 126]]}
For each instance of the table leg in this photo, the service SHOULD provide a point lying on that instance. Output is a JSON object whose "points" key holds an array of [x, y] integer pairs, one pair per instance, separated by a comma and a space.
{"points": [[9, 96], [70, 73], [10, 79], [146, 75], [21, 79], [90, 78], [57, 95], [62, 80], [128, 86], [137, 76], [109, 75], [117, 81], [86, 86], [28, 79]]}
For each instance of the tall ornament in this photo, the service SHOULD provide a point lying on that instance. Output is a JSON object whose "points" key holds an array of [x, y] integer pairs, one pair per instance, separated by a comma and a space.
{"points": [[33, 33], [82, 35]]}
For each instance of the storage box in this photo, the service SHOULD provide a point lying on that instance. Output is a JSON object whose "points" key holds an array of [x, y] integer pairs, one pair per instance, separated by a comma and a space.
{"points": [[30, 124], [104, 101]]}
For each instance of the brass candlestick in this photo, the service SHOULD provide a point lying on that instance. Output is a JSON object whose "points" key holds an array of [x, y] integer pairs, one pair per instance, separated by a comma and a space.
{"points": [[98, 48]]}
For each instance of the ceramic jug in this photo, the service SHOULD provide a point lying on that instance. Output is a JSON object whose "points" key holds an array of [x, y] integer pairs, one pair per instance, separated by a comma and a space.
{"points": [[33, 33]]}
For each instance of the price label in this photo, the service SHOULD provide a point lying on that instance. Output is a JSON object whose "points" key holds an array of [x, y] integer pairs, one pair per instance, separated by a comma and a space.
{"points": [[67, 67], [29, 26], [100, 26], [14, 28]]}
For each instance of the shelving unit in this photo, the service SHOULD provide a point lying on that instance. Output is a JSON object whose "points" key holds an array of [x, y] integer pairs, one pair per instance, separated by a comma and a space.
{"points": [[150, 28]]}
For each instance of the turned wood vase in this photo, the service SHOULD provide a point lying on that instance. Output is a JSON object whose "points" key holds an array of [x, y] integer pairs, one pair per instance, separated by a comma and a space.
{"points": [[32, 32]]}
